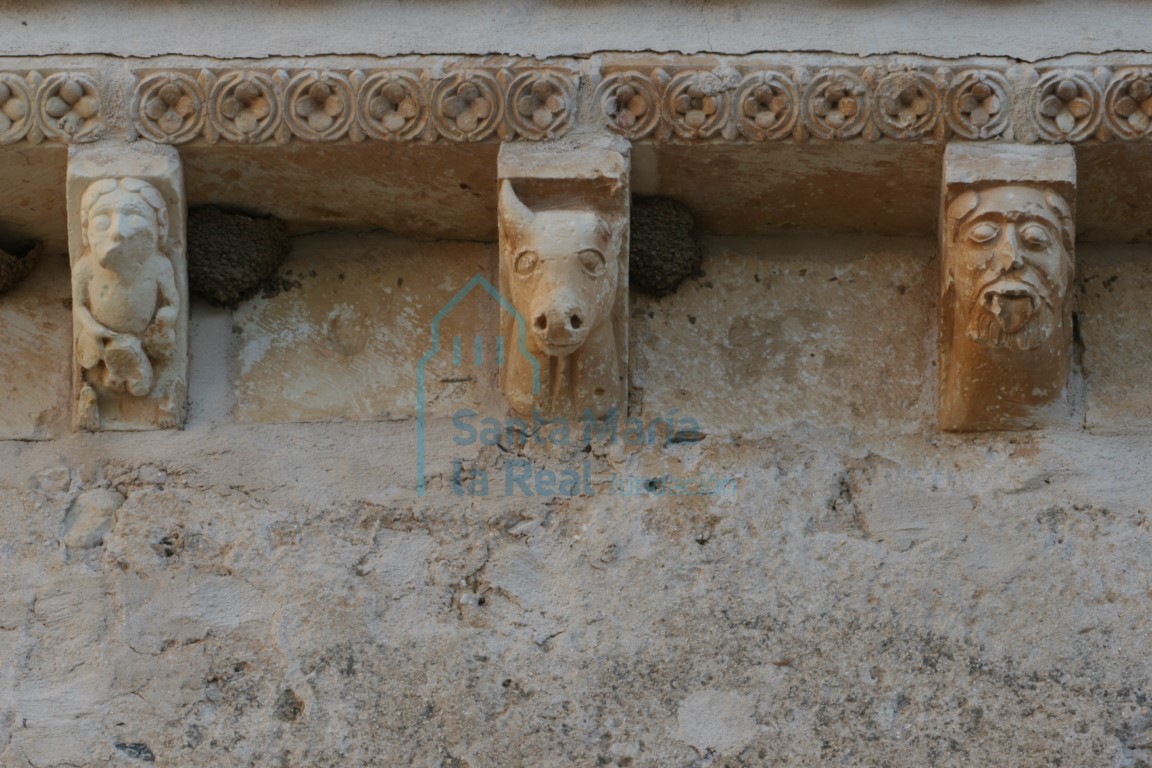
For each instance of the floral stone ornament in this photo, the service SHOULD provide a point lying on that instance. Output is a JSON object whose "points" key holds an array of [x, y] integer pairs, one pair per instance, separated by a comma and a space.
{"points": [[245, 107], [170, 108], [391, 106], [541, 104], [467, 106], [321, 106], [69, 106]]}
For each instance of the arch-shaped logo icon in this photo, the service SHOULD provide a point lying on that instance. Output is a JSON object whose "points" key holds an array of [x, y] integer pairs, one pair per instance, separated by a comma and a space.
{"points": [[480, 281]]}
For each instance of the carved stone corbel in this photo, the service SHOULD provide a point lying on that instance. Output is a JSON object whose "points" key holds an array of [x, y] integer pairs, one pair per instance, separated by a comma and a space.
{"points": [[564, 269], [126, 231], [1007, 234]]}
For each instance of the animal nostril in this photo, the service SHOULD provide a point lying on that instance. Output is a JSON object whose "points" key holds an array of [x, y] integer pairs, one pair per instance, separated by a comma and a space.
{"points": [[541, 322], [576, 322]]}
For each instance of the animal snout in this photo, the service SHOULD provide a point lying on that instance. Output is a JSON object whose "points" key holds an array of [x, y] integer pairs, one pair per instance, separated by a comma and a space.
{"points": [[560, 326]]}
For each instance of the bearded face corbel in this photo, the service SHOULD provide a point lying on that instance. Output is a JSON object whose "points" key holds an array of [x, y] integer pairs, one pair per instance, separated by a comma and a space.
{"points": [[1007, 237], [1011, 264]]}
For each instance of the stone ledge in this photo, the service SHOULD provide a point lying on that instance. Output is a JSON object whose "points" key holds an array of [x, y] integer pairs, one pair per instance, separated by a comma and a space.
{"points": [[661, 98]]}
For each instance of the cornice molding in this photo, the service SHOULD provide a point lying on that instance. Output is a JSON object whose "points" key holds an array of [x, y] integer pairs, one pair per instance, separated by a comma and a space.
{"points": [[663, 99]]}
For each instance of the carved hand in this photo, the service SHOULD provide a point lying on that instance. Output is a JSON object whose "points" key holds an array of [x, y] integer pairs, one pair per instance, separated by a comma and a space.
{"points": [[159, 339]]}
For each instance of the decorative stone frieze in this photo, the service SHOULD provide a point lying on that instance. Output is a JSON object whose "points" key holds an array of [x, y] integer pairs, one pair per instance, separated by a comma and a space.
{"points": [[391, 105], [564, 268], [321, 105], [1067, 105], [837, 104], [670, 98], [631, 101], [978, 104], [768, 105], [697, 103], [541, 103], [244, 106], [1007, 233], [126, 215], [169, 107], [467, 106], [69, 106], [254, 106], [1128, 103], [908, 105], [64, 106]]}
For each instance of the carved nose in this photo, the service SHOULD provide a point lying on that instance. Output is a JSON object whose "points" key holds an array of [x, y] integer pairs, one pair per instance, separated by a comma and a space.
{"points": [[559, 325], [1008, 253]]}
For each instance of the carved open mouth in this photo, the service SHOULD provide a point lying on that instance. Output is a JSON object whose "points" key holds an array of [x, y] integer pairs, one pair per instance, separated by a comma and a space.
{"points": [[556, 349], [1011, 302]]}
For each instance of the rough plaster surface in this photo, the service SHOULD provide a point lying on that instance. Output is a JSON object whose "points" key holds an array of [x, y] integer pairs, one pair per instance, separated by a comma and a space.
{"points": [[37, 320], [869, 593], [346, 341], [1112, 296], [561, 27]]}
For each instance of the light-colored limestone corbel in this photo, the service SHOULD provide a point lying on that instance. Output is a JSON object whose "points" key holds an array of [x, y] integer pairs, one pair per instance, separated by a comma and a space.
{"points": [[126, 214], [564, 268], [1007, 233]]}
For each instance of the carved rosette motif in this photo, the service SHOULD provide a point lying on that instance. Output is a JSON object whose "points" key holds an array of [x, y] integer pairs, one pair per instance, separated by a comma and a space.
{"points": [[907, 105], [69, 106], [836, 104], [1067, 105], [750, 99], [467, 106], [391, 106], [540, 104], [1128, 103], [15, 108], [977, 104], [169, 107], [244, 107], [767, 105], [630, 103], [320, 105], [696, 104]]}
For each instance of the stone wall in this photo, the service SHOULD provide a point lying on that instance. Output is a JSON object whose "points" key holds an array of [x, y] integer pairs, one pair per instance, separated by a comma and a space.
{"points": [[776, 558], [861, 589]]}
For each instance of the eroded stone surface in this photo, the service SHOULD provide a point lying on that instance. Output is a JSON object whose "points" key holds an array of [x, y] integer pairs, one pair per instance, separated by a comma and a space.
{"points": [[862, 591], [34, 364], [346, 339], [1114, 314], [779, 330], [90, 517]]}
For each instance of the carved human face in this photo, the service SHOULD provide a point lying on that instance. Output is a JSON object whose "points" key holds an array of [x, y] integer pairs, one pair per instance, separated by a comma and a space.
{"points": [[122, 229], [1010, 266]]}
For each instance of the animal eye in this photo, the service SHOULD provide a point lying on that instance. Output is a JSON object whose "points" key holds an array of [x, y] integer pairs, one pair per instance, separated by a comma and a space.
{"points": [[526, 262], [983, 232], [1035, 236], [593, 261]]}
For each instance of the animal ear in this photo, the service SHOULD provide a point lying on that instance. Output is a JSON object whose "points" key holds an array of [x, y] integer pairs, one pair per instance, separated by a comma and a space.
{"points": [[513, 213]]}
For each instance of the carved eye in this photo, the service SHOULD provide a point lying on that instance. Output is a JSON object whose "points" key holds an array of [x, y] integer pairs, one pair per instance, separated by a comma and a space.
{"points": [[526, 262], [983, 232], [1035, 237], [593, 261], [100, 223]]}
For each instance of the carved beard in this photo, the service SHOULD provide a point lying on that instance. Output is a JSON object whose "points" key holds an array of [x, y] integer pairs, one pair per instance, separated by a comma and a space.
{"points": [[1011, 315]]}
